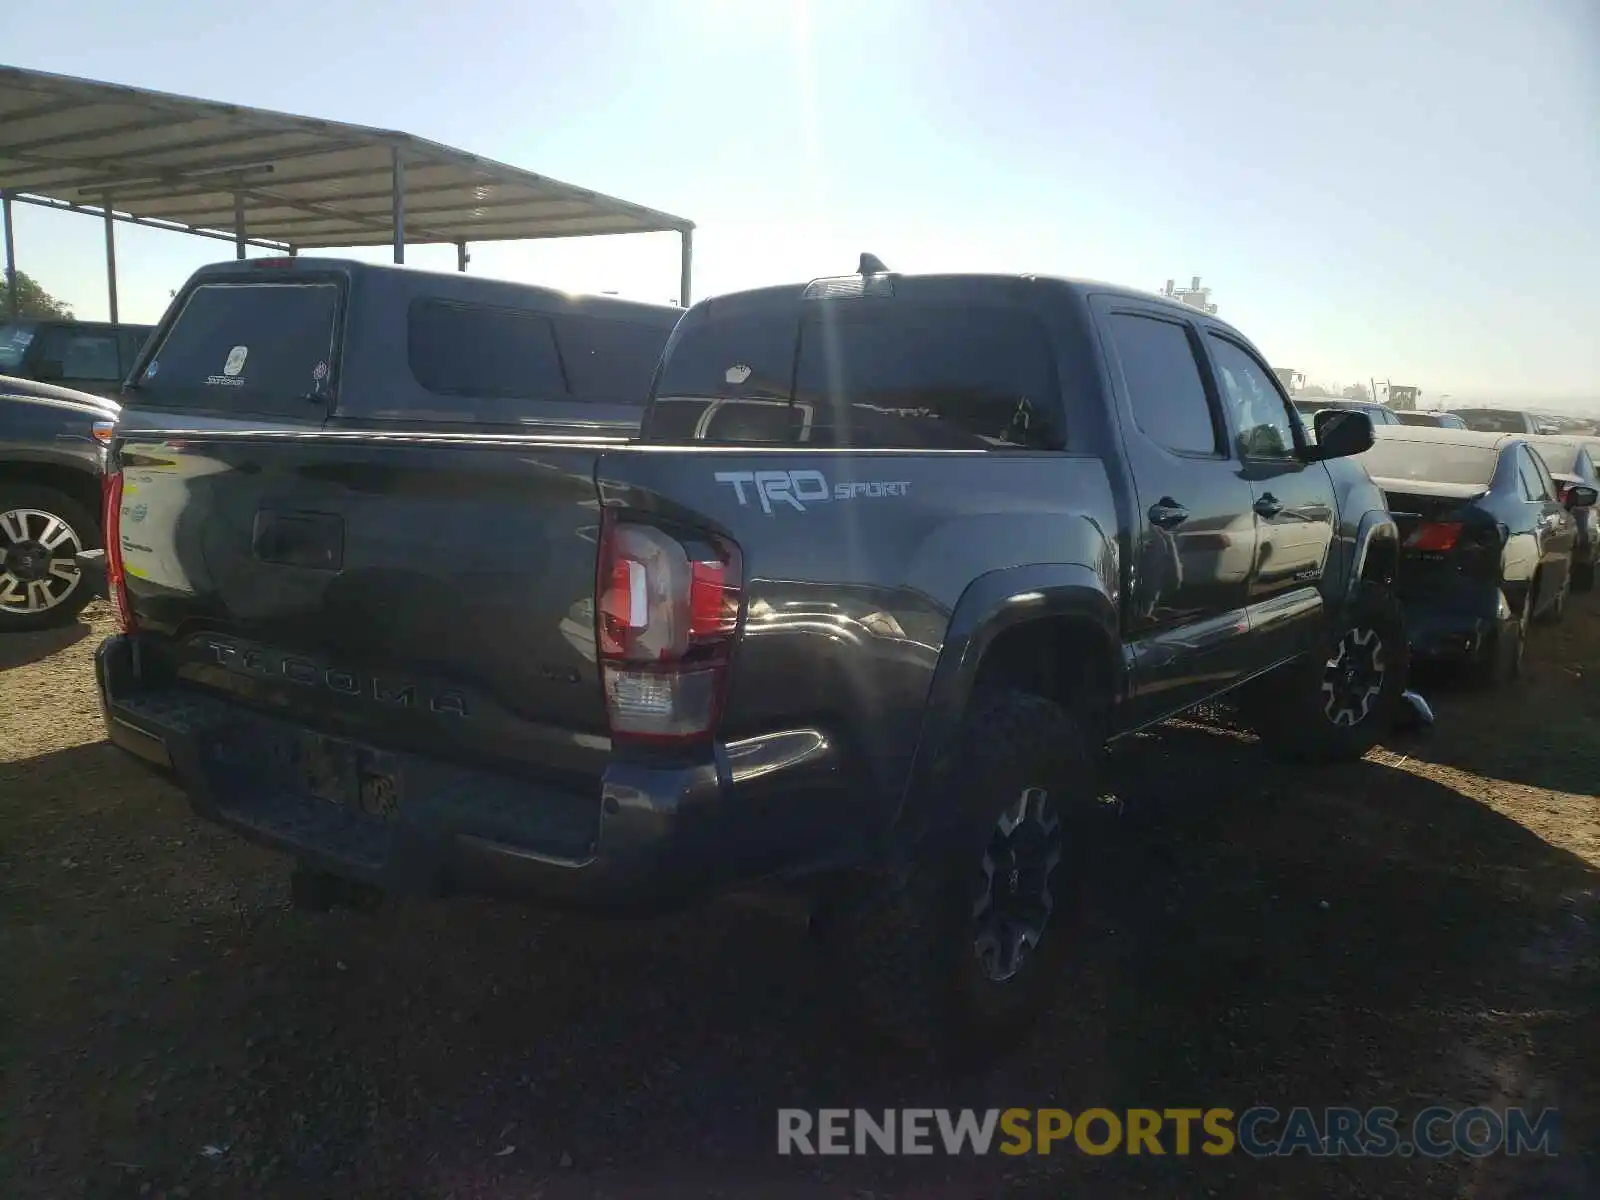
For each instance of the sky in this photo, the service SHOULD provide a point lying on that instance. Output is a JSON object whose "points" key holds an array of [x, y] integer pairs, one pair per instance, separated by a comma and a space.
{"points": [[1405, 190]]}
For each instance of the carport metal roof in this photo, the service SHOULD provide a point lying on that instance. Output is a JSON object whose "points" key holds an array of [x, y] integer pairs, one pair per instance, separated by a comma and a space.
{"points": [[273, 180]]}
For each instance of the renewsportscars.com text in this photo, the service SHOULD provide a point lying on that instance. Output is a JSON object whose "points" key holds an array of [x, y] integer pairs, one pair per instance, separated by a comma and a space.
{"points": [[1259, 1132]]}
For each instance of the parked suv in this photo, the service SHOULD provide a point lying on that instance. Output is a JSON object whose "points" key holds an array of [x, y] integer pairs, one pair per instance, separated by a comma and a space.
{"points": [[893, 557], [87, 356]]}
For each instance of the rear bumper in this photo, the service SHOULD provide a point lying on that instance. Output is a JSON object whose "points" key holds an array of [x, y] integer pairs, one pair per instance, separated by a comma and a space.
{"points": [[1447, 631], [646, 837]]}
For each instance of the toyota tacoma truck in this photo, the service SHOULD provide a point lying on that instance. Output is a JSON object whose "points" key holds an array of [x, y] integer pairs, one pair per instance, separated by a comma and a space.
{"points": [[890, 559]]}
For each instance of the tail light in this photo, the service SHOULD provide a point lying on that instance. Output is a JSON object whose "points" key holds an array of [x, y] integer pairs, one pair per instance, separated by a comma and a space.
{"points": [[666, 612], [1562, 491], [1434, 535], [111, 524]]}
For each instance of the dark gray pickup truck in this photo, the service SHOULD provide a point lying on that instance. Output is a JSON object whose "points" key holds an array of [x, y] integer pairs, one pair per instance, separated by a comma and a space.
{"points": [[53, 445], [892, 558]]}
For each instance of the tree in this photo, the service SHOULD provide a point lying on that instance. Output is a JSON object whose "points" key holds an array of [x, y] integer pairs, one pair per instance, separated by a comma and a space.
{"points": [[33, 300], [1357, 391]]}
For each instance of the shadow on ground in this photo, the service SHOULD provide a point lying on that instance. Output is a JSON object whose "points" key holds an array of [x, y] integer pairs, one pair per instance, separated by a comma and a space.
{"points": [[20, 649], [1256, 934]]}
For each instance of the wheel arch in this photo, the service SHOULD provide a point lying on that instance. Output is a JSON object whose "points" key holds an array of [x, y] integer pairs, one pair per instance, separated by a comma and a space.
{"points": [[71, 480], [1376, 557], [1049, 630]]}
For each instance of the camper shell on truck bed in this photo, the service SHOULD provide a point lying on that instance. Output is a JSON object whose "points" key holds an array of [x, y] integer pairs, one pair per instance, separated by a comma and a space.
{"points": [[332, 343]]}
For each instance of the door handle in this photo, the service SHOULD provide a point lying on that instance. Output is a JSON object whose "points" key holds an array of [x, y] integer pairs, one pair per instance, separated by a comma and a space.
{"points": [[1267, 505], [1167, 513]]}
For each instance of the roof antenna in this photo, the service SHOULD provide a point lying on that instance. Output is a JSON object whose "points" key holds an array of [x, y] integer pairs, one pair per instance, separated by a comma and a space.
{"points": [[871, 264]]}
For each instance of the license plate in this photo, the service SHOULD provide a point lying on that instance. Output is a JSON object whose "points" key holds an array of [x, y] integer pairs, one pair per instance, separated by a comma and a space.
{"points": [[351, 776]]}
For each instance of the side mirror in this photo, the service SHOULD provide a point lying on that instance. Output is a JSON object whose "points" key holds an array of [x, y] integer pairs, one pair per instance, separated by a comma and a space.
{"points": [[49, 369], [1581, 495], [1341, 432]]}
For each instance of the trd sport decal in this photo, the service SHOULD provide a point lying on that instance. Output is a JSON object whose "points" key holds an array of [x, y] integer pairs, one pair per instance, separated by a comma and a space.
{"points": [[797, 489]]}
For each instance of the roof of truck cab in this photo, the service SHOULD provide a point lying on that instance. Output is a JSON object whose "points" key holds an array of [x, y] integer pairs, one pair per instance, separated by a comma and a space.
{"points": [[451, 285], [954, 285]]}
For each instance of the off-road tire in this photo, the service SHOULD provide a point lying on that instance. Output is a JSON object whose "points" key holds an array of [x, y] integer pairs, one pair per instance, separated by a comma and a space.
{"points": [[85, 527], [911, 939], [1297, 717]]}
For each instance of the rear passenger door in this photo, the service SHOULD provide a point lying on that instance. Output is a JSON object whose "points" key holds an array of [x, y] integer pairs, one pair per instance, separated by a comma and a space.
{"points": [[1292, 500], [1194, 540]]}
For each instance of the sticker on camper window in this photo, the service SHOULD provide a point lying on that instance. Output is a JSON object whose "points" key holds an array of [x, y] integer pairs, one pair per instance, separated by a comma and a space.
{"points": [[150, 371], [230, 376], [319, 372], [737, 373]]}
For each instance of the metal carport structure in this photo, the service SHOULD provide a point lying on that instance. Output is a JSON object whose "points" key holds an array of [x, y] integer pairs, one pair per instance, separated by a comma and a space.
{"points": [[273, 180]]}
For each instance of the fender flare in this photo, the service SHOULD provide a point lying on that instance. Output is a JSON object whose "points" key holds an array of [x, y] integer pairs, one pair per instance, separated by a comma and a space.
{"points": [[990, 605], [69, 455], [1376, 526]]}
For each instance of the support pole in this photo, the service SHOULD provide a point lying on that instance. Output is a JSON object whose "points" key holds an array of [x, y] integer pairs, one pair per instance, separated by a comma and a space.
{"points": [[111, 257], [462, 257], [13, 301], [238, 225], [688, 264], [294, 251], [398, 194]]}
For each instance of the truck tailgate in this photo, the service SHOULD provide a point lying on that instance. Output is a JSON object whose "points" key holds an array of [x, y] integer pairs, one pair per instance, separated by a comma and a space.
{"points": [[420, 592]]}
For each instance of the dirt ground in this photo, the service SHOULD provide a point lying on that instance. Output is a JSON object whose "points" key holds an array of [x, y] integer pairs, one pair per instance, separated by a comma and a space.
{"points": [[1422, 927]]}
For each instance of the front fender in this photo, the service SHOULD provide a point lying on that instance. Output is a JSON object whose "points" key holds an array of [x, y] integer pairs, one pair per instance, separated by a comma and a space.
{"points": [[991, 604]]}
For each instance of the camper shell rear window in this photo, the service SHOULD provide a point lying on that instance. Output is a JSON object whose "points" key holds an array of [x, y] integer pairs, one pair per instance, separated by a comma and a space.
{"points": [[257, 348]]}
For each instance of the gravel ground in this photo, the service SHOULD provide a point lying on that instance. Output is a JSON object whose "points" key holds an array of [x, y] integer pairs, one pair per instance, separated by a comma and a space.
{"points": [[1421, 927]]}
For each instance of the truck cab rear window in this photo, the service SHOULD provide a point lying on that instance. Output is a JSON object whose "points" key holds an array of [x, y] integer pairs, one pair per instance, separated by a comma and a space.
{"points": [[869, 374], [256, 348], [893, 375]]}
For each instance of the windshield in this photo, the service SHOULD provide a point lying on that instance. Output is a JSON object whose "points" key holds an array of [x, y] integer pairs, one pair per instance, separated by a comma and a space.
{"points": [[1431, 462], [259, 348], [15, 338]]}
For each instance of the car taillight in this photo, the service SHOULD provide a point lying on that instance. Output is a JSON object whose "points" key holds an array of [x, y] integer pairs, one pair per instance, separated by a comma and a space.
{"points": [[1434, 535], [1562, 491], [111, 524], [666, 612]]}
